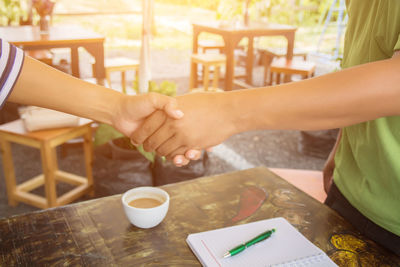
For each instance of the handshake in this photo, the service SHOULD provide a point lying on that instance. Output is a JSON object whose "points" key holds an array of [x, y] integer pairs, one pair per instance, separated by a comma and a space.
{"points": [[177, 128]]}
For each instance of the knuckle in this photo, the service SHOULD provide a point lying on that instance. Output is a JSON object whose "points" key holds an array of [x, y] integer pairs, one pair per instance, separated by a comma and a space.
{"points": [[135, 137], [159, 117], [148, 146], [185, 162], [161, 152], [181, 150], [139, 138], [152, 97], [146, 128], [185, 139], [173, 102], [171, 127], [198, 156], [134, 141]]}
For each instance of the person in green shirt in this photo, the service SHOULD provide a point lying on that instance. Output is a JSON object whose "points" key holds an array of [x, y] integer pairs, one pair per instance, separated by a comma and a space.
{"points": [[363, 99]]}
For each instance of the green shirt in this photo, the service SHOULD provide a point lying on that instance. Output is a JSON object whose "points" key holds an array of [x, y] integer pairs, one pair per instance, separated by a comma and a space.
{"points": [[368, 157]]}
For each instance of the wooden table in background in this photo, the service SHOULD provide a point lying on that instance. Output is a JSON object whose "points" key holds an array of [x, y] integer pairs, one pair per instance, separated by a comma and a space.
{"points": [[97, 233], [232, 36], [71, 36]]}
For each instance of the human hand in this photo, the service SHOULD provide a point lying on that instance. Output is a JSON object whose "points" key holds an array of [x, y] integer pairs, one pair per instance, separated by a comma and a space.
{"points": [[327, 172], [329, 166], [192, 154], [203, 112], [157, 119], [133, 110]]}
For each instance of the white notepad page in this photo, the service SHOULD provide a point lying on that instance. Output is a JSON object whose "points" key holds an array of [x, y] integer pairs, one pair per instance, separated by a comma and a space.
{"points": [[285, 247]]}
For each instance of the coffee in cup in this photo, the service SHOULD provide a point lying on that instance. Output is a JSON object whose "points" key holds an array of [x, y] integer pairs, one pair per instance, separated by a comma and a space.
{"points": [[146, 206], [145, 203]]}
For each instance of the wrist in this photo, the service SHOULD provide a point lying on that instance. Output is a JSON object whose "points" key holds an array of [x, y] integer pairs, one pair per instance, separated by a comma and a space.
{"points": [[116, 104], [107, 105], [233, 112], [238, 113]]}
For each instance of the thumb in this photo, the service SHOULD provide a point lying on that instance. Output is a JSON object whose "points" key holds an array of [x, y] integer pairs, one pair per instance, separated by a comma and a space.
{"points": [[167, 104]]}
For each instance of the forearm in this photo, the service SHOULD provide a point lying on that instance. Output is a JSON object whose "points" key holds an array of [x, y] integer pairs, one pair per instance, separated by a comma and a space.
{"points": [[335, 100], [331, 101], [41, 85]]}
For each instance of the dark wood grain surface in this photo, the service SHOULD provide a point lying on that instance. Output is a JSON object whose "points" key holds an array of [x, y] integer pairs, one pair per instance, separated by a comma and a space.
{"points": [[97, 233]]}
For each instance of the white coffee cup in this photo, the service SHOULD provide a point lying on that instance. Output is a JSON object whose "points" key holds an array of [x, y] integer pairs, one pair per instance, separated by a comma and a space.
{"points": [[145, 217]]}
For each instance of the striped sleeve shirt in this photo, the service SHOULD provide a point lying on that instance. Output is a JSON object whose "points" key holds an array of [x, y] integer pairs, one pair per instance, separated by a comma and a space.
{"points": [[11, 60]]}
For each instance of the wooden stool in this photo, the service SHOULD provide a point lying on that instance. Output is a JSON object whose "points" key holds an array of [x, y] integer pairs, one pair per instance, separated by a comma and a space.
{"points": [[210, 90], [46, 141], [268, 55], [207, 60], [205, 45], [296, 53], [121, 64], [282, 52], [43, 55], [282, 66]]}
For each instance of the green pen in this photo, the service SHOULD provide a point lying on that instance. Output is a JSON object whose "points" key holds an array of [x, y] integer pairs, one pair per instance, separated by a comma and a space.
{"points": [[255, 240]]}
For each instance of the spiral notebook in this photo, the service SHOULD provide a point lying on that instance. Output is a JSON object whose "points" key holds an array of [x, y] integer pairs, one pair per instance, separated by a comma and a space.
{"points": [[285, 247]]}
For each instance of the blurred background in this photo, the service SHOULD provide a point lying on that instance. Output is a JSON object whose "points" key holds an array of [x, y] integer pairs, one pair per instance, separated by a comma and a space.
{"points": [[320, 31]]}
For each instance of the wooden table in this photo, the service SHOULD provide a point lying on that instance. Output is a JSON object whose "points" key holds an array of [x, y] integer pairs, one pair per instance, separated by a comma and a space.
{"points": [[232, 36], [97, 233], [71, 36]]}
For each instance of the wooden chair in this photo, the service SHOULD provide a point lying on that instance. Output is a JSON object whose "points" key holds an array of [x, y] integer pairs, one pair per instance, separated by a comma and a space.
{"points": [[121, 64], [46, 141], [283, 67], [207, 61]]}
